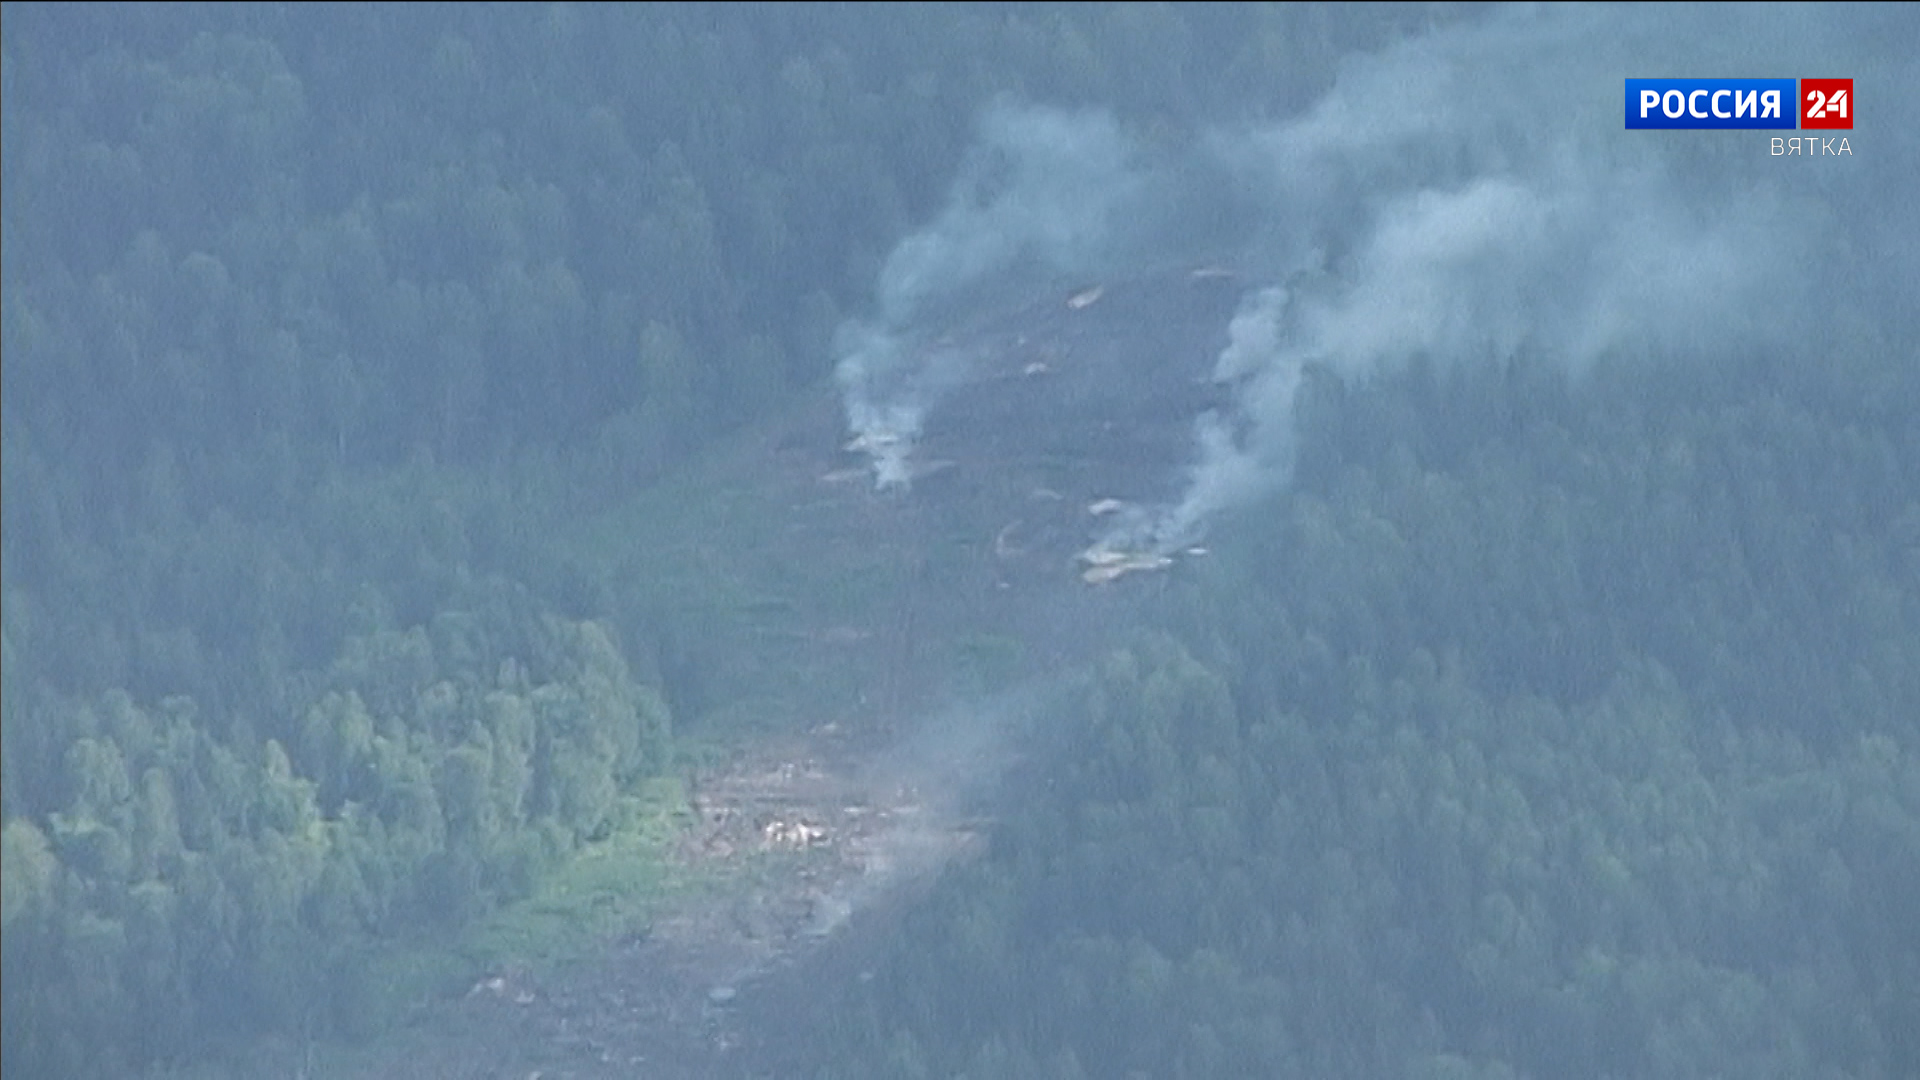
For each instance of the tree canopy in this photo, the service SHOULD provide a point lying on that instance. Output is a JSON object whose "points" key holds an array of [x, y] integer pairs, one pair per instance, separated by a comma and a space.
{"points": [[1542, 728]]}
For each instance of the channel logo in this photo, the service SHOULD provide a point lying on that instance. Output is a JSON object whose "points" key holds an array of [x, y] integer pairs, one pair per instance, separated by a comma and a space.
{"points": [[1826, 103], [1745, 104], [1740, 104]]}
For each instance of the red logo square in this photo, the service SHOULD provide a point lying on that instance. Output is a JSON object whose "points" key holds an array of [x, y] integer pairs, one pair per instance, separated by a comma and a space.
{"points": [[1826, 103]]}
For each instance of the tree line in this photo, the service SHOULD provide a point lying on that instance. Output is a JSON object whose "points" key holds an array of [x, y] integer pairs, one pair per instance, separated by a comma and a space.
{"points": [[1579, 742], [320, 325]]}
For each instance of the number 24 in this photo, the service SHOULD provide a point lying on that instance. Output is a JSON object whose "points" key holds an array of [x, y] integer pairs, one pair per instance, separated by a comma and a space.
{"points": [[1819, 103]]}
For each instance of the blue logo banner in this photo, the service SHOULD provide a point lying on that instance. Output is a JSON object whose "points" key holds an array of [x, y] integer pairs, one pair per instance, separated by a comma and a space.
{"points": [[1745, 104]]}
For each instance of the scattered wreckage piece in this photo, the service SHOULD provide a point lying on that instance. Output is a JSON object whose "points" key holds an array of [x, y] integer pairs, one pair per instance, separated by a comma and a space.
{"points": [[914, 470], [873, 441], [792, 834], [1105, 565], [1003, 547], [1086, 297]]}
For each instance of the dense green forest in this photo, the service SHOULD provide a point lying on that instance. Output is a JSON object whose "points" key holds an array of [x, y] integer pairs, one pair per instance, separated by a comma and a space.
{"points": [[1583, 745], [1544, 728], [316, 319]]}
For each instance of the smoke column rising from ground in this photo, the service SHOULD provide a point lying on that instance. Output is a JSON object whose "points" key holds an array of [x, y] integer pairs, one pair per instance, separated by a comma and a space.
{"points": [[1465, 197], [1043, 186]]}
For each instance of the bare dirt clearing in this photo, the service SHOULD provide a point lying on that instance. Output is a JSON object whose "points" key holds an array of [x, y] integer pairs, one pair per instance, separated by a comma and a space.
{"points": [[806, 843], [796, 590]]}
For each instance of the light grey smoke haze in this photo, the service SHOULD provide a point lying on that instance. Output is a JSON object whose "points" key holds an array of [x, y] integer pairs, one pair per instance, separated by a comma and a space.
{"points": [[1043, 186], [1233, 464], [1470, 196]]}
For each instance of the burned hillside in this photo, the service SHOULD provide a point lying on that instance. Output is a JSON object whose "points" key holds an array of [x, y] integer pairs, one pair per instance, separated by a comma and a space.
{"points": [[1106, 379], [1066, 411]]}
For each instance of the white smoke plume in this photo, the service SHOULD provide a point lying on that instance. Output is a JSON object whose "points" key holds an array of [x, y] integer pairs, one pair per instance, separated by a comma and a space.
{"points": [[1045, 187], [1470, 196]]}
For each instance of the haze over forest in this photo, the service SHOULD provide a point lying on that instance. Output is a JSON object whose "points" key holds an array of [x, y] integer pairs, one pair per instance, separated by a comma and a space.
{"points": [[982, 541]]}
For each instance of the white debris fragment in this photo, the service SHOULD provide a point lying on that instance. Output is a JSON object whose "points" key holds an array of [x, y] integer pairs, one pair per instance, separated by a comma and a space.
{"points": [[1003, 547], [1105, 564], [794, 834], [873, 442]]}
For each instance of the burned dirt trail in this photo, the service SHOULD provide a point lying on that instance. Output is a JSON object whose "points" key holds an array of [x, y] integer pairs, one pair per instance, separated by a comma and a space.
{"points": [[830, 628]]}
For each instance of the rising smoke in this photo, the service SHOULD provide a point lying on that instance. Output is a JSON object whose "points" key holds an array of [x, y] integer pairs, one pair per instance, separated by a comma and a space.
{"points": [[1043, 187], [1465, 197]]}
